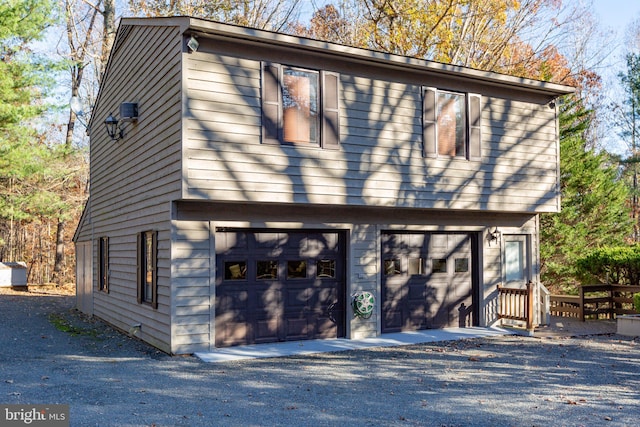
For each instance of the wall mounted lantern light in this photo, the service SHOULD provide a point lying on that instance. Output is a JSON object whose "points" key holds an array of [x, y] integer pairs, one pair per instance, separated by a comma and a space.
{"points": [[115, 127], [494, 235], [114, 132]]}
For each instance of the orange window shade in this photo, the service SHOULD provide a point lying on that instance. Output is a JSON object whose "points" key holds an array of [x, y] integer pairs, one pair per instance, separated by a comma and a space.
{"points": [[447, 128], [451, 137], [299, 107]]}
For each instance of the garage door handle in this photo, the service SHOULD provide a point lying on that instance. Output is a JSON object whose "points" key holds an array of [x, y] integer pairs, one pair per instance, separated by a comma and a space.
{"points": [[331, 312]]}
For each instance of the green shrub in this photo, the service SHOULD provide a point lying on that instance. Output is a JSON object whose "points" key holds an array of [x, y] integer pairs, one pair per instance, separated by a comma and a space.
{"points": [[619, 265], [636, 302]]}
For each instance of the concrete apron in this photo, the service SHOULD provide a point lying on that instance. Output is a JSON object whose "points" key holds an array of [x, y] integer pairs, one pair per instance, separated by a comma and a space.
{"points": [[297, 348]]}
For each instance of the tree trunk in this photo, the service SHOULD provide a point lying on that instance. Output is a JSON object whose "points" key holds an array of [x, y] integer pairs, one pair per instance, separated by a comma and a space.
{"points": [[109, 32], [58, 266]]}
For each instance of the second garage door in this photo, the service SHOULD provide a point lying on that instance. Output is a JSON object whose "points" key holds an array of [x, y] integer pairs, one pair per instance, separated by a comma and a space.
{"points": [[426, 281], [278, 286]]}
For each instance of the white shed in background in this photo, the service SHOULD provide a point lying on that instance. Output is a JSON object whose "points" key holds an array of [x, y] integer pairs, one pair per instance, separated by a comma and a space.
{"points": [[13, 274]]}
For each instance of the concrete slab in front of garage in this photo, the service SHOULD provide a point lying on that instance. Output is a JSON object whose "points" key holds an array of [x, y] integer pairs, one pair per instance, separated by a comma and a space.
{"points": [[296, 348]]}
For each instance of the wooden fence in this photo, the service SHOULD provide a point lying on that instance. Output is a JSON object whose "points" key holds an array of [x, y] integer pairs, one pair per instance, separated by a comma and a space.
{"points": [[603, 301], [516, 304]]}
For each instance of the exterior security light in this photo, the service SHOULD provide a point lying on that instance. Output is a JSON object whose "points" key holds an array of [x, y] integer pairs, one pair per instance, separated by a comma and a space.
{"points": [[193, 44]]}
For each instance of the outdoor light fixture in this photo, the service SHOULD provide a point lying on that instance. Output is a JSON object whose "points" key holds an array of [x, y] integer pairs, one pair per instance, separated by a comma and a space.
{"points": [[114, 132], [115, 126], [494, 235], [193, 44]]}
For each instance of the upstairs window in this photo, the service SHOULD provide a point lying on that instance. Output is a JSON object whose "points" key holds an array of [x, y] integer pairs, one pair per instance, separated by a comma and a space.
{"points": [[450, 128], [300, 106], [451, 124]]}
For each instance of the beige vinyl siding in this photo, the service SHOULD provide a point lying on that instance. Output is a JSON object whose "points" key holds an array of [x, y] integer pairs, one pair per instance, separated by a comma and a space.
{"points": [[364, 226], [224, 105], [196, 160], [365, 276], [84, 276], [380, 160], [492, 277], [134, 179], [192, 288]]}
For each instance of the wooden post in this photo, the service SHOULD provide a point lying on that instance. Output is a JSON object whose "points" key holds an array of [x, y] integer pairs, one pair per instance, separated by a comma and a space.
{"points": [[581, 303], [530, 306], [612, 308]]}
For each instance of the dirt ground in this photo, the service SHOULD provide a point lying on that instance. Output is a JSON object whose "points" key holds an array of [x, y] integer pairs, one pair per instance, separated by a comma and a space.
{"points": [[68, 289], [52, 354]]}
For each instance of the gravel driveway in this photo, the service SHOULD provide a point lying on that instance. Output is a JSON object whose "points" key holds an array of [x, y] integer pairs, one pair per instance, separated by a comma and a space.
{"points": [[111, 380]]}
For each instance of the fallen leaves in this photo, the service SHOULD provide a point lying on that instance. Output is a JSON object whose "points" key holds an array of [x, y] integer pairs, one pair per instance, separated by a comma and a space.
{"points": [[575, 402]]}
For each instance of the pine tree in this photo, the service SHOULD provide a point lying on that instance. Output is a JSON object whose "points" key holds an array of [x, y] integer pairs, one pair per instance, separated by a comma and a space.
{"points": [[629, 123], [24, 78], [594, 210]]}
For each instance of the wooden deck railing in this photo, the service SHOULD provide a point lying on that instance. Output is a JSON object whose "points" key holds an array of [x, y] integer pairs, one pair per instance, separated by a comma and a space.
{"points": [[602, 301], [516, 304]]}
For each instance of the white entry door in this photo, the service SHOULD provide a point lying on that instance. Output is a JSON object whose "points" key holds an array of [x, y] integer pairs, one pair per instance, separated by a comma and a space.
{"points": [[516, 260]]}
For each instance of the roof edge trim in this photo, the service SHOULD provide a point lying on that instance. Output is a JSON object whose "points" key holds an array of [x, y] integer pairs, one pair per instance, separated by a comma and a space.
{"points": [[217, 29]]}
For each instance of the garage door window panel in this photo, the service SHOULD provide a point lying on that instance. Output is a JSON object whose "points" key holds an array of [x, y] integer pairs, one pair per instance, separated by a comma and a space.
{"points": [[326, 269], [297, 269], [416, 266], [235, 270], [462, 265], [439, 265], [392, 267], [267, 270]]}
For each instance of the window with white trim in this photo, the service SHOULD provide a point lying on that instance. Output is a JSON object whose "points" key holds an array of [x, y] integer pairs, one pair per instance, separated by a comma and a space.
{"points": [[300, 106], [451, 124]]}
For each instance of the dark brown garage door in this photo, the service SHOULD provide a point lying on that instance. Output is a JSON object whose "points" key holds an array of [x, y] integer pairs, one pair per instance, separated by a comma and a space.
{"points": [[426, 281], [278, 286]]}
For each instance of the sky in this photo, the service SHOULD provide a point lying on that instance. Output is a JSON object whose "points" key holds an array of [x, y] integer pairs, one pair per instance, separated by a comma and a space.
{"points": [[616, 15]]}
